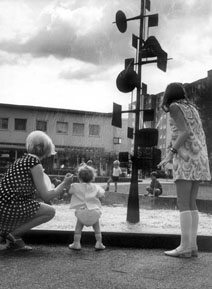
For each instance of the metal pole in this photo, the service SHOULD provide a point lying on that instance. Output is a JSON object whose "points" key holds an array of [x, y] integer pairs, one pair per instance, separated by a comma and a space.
{"points": [[133, 200]]}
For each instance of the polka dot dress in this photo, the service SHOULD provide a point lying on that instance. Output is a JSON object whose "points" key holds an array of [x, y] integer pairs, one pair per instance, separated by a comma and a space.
{"points": [[17, 193]]}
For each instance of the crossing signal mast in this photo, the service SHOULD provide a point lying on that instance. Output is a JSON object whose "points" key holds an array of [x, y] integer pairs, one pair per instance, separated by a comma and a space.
{"points": [[147, 51]]}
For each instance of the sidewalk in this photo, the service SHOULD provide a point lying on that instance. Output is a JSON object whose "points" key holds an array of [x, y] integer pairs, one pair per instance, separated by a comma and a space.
{"points": [[130, 261], [56, 267]]}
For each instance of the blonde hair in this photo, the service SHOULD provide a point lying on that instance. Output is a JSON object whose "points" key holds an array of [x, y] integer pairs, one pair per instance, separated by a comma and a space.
{"points": [[116, 162], [40, 144], [86, 173]]}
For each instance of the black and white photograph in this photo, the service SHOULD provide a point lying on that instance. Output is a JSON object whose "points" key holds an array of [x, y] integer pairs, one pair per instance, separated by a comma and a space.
{"points": [[105, 144]]}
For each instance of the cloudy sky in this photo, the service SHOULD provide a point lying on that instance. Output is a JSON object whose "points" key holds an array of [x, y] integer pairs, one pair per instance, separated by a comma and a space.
{"points": [[67, 53]]}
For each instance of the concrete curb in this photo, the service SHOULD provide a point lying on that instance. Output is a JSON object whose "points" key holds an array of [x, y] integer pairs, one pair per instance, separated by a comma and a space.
{"points": [[113, 239]]}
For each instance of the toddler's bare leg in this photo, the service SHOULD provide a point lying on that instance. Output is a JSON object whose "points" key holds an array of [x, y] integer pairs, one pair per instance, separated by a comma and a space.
{"points": [[98, 236], [116, 185], [108, 184], [77, 236]]}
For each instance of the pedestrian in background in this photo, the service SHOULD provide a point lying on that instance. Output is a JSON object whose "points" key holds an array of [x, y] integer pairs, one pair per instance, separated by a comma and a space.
{"points": [[188, 152], [116, 172]]}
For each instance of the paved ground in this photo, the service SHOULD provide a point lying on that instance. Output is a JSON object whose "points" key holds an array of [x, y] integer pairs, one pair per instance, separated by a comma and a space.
{"points": [[56, 267]]}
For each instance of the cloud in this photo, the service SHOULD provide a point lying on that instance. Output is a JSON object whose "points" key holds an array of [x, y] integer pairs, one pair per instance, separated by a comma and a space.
{"points": [[72, 45], [83, 33], [78, 70]]}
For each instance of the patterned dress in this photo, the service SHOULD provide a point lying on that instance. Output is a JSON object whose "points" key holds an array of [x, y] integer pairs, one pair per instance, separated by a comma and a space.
{"points": [[191, 161], [17, 194]]}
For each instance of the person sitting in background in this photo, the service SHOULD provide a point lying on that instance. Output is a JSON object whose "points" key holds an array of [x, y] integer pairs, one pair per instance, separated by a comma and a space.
{"points": [[155, 188]]}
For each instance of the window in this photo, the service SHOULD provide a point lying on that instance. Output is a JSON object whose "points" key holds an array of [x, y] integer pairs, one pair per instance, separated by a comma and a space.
{"points": [[41, 125], [3, 123], [94, 129], [78, 128], [116, 140], [62, 127], [20, 123]]}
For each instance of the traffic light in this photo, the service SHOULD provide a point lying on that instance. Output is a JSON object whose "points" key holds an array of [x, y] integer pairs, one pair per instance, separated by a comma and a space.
{"points": [[127, 79], [148, 137], [116, 115], [152, 48]]}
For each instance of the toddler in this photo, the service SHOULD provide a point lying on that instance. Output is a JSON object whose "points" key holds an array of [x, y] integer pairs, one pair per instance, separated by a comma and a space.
{"points": [[115, 175], [86, 200]]}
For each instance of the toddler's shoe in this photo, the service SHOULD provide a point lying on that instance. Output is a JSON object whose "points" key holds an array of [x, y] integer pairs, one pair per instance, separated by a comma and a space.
{"points": [[99, 246], [75, 246]]}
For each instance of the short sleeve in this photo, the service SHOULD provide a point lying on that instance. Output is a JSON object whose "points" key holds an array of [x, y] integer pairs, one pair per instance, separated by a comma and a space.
{"points": [[33, 161]]}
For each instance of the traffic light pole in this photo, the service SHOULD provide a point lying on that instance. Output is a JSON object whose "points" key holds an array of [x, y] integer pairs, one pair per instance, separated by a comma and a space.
{"points": [[133, 199]]}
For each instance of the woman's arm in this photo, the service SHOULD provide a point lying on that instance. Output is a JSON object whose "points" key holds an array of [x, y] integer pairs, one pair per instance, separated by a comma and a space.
{"points": [[42, 187], [177, 115]]}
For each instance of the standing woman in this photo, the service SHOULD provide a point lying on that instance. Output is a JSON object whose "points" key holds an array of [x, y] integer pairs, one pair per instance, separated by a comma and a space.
{"points": [[188, 152], [19, 211]]}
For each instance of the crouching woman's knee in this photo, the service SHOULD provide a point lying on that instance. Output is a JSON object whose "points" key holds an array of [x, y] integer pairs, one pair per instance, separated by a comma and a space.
{"points": [[46, 211], [51, 213]]}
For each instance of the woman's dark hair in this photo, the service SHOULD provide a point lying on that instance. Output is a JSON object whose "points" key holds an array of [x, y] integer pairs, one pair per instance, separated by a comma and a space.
{"points": [[174, 92]]}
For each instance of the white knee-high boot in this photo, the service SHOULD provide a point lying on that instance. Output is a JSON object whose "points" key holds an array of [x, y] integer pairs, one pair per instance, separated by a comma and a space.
{"points": [[185, 224], [184, 250], [194, 229]]}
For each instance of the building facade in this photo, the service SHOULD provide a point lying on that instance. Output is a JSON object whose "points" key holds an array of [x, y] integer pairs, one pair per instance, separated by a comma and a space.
{"points": [[77, 135]]}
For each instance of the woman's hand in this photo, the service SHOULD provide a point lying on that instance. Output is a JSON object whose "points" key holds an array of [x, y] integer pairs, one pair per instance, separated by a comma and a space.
{"points": [[166, 160]]}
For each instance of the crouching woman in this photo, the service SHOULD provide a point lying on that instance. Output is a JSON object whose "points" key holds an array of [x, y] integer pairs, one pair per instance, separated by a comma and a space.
{"points": [[19, 210]]}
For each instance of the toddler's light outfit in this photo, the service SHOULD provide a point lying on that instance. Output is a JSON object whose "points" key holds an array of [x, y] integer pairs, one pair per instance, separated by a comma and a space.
{"points": [[85, 199]]}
